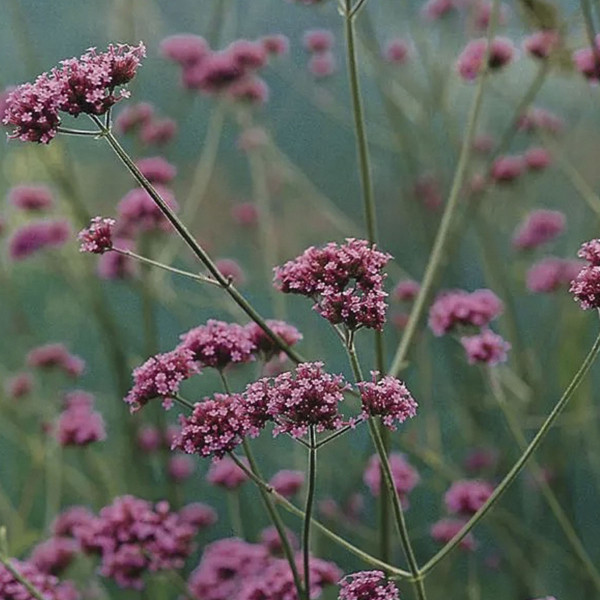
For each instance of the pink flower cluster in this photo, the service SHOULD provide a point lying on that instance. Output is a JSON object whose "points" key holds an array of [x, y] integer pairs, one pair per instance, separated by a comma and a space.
{"points": [[97, 238], [232, 569], [225, 473], [587, 61], [48, 585], [539, 227], [388, 398], [54, 555], [396, 51], [31, 198], [371, 585], [133, 537], [406, 290], [141, 119], [38, 235], [486, 347], [404, 475], [56, 356], [585, 287], [18, 385], [160, 377], [458, 307], [542, 43], [139, 213], [345, 281], [507, 168], [79, 424], [470, 61], [287, 483], [263, 343], [445, 529], [270, 538], [466, 497], [551, 273], [541, 119], [156, 169], [319, 43], [80, 85]]}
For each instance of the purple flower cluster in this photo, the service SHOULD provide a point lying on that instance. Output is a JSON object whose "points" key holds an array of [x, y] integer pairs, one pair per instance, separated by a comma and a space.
{"points": [[470, 61], [345, 281], [54, 555], [97, 237], [31, 198], [18, 385], [38, 235], [587, 61], [79, 424], [139, 213], [585, 287], [542, 43], [287, 483], [80, 85], [156, 169], [367, 585], [388, 398], [539, 227], [466, 497], [486, 347], [551, 273], [160, 377], [133, 537], [404, 475], [48, 585], [445, 529], [263, 343], [225, 473], [56, 356]]}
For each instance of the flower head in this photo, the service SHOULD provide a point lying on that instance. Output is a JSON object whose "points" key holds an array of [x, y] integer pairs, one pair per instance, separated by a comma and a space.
{"points": [[466, 497], [445, 529], [587, 61], [79, 424], [31, 198], [542, 43], [406, 290], [287, 483], [318, 40], [539, 227], [199, 515], [470, 61], [396, 51], [185, 49], [56, 356], [507, 168], [97, 237], [38, 235], [11, 588], [138, 211], [54, 555], [404, 475], [485, 347], [133, 116], [156, 169], [18, 385], [227, 474], [180, 468], [586, 287], [551, 273], [367, 585], [264, 344]]}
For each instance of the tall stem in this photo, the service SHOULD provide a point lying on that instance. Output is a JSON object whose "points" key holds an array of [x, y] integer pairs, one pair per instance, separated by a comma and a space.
{"points": [[310, 498], [518, 466]]}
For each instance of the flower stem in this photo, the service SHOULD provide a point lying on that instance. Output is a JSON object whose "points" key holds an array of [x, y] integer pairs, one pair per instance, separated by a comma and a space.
{"points": [[518, 466], [183, 402], [310, 498], [4, 560]]}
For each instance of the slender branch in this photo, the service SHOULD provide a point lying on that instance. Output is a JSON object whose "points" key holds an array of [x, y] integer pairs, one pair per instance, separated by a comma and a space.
{"points": [[518, 466], [69, 131], [4, 560], [338, 433], [186, 403], [310, 498]]}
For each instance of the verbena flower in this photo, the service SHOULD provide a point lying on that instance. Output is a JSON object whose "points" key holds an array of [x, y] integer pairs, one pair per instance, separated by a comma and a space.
{"points": [[231, 269], [396, 51], [156, 169], [263, 343], [486, 347], [79, 424], [276, 44], [185, 49], [65, 523], [38, 235], [537, 158], [404, 475], [134, 116], [287, 483], [97, 237], [470, 61], [322, 64], [54, 555], [139, 213], [271, 540], [318, 40], [507, 168], [542, 43], [406, 290], [445, 529], [466, 497], [585, 287], [180, 468], [31, 198], [587, 61], [56, 356], [367, 585], [18, 386], [551, 273], [539, 227], [198, 514], [48, 585], [227, 474], [537, 118]]}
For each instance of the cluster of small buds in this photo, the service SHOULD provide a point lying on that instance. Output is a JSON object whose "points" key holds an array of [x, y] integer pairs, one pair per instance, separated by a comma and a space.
{"points": [[18, 386], [97, 238], [345, 281], [160, 377], [470, 62], [79, 424], [219, 344], [537, 158], [139, 213], [539, 227], [287, 483], [486, 347], [67, 521], [388, 398], [396, 51], [56, 356], [371, 585], [466, 497], [38, 235], [49, 586], [31, 198], [445, 529], [404, 476], [542, 43], [459, 307], [134, 116], [507, 168], [434, 10], [227, 474], [537, 118], [276, 44], [156, 169], [79, 85], [149, 438], [585, 286], [319, 44], [264, 344], [481, 459], [134, 537], [587, 61], [54, 555], [551, 273]]}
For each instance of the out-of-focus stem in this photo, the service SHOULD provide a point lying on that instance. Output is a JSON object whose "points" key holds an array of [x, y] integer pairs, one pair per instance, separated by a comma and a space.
{"points": [[520, 464], [310, 498], [35, 592]]}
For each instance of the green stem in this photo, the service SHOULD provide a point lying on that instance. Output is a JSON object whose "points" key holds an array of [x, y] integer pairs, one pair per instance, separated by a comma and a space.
{"points": [[235, 513], [185, 403], [520, 464], [22, 580], [310, 499]]}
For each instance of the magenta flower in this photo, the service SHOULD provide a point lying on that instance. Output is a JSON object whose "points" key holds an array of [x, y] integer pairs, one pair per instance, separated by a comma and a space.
{"points": [[263, 343], [467, 496], [225, 473], [551, 273], [97, 237], [433, 10], [180, 468], [483, 13], [541, 119], [590, 251], [149, 439], [218, 344], [404, 475], [587, 61], [505, 169], [231, 270], [18, 386], [56, 356], [271, 540], [138, 212], [251, 89], [322, 64], [79, 424], [540, 227], [215, 427], [445, 529], [160, 377], [134, 116], [586, 287], [458, 307], [470, 61], [406, 290], [318, 40], [31, 198], [185, 49], [537, 158], [486, 347], [198, 515], [67, 521], [276, 44], [387, 398], [367, 585], [396, 51], [48, 585], [480, 459], [38, 235], [245, 214], [427, 191], [54, 555], [156, 169], [158, 132], [287, 483], [542, 43], [113, 265]]}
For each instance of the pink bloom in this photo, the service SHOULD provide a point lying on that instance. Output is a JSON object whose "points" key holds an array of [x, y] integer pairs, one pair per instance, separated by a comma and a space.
{"points": [[113, 265], [38, 235], [149, 438], [71, 518], [138, 212], [322, 64], [318, 40], [470, 61], [160, 377], [540, 227], [287, 483], [156, 169], [78, 424], [590, 251], [587, 61], [54, 555], [367, 585], [506, 169], [199, 515], [486, 347], [133, 537], [400, 320], [483, 13], [215, 427], [396, 51], [184, 48], [18, 386], [31, 197], [479, 459], [158, 132], [56, 356], [270, 538], [276, 44], [388, 398], [427, 190], [443, 531], [542, 43], [537, 158], [483, 143], [180, 468], [218, 344], [288, 333], [586, 287], [218, 71], [346, 282], [248, 54], [459, 307], [4, 94], [436, 9], [406, 290], [133, 116], [48, 585], [249, 89], [231, 270], [97, 238], [466, 497], [550, 274], [225, 473], [541, 119], [404, 475], [245, 214]]}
